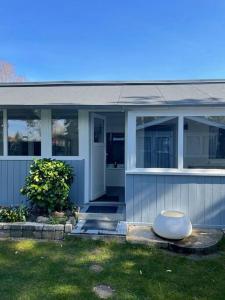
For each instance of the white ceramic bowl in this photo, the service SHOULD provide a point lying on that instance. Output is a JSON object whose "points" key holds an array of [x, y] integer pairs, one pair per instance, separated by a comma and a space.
{"points": [[172, 224]]}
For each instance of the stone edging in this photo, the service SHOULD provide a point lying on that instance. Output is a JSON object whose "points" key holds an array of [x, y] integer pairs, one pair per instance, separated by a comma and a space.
{"points": [[34, 230]]}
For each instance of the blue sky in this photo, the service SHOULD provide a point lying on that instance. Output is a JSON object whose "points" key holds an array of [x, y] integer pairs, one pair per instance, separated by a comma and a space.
{"points": [[114, 39]]}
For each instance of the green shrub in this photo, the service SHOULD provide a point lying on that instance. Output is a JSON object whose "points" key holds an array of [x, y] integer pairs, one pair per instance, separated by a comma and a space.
{"points": [[13, 214], [48, 184]]}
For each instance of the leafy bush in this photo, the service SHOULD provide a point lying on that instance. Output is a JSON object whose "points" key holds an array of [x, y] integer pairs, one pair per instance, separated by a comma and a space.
{"points": [[13, 214], [48, 184]]}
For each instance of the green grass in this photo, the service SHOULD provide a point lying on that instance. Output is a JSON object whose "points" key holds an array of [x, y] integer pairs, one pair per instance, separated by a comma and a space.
{"points": [[50, 270]]}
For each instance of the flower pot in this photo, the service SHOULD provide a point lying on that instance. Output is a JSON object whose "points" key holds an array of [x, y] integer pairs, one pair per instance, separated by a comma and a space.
{"points": [[58, 214], [171, 224]]}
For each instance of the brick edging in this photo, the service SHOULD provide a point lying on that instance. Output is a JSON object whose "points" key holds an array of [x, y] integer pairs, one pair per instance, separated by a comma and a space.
{"points": [[34, 230]]}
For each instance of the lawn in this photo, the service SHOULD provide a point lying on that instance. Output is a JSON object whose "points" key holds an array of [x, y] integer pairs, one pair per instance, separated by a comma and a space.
{"points": [[49, 270]]}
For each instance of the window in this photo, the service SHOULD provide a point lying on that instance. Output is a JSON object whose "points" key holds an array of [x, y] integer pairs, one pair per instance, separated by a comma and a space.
{"points": [[64, 133], [204, 142], [156, 142], [1, 133], [24, 132], [98, 130]]}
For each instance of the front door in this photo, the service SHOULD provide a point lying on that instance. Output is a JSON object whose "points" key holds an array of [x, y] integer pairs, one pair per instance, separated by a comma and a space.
{"points": [[98, 156]]}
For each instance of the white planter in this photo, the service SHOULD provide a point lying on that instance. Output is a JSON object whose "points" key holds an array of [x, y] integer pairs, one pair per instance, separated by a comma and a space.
{"points": [[171, 224]]}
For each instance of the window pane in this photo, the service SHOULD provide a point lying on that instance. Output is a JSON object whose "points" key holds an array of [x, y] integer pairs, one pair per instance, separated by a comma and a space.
{"points": [[204, 142], [24, 132], [156, 142], [98, 130], [64, 133], [1, 133]]}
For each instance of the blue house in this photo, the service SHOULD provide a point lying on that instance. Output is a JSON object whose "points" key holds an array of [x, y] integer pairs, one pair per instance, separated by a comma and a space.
{"points": [[149, 145]]}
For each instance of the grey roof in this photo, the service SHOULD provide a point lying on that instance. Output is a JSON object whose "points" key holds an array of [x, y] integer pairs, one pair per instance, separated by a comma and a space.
{"points": [[114, 93]]}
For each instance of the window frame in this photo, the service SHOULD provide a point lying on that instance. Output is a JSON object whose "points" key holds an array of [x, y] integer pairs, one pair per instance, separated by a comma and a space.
{"points": [[180, 113], [46, 138]]}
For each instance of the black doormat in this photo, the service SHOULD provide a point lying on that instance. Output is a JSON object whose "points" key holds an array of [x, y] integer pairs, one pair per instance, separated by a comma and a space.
{"points": [[107, 198], [102, 209], [99, 225]]}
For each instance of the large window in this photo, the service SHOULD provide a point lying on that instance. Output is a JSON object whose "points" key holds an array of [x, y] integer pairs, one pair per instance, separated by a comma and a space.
{"points": [[24, 132], [156, 142], [204, 142], [64, 133]]}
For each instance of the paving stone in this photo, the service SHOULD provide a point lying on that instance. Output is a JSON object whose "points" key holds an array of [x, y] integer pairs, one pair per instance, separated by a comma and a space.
{"points": [[4, 233], [68, 228], [201, 241], [59, 227], [37, 234], [28, 233], [16, 233], [96, 268], [48, 228], [59, 235], [103, 291], [48, 235]]}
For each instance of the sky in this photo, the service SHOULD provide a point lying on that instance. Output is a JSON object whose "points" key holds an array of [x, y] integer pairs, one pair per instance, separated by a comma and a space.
{"points": [[114, 39]]}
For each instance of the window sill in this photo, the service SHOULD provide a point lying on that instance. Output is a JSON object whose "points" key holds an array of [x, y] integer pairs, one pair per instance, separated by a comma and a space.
{"points": [[196, 172]]}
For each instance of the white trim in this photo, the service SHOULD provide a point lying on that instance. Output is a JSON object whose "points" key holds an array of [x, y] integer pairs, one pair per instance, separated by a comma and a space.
{"points": [[46, 133], [84, 148], [5, 134], [197, 172], [131, 140], [180, 142], [13, 157], [92, 143]]}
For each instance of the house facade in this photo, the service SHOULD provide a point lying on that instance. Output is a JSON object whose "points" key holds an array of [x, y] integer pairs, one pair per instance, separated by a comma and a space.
{"points": [[153, 145]]}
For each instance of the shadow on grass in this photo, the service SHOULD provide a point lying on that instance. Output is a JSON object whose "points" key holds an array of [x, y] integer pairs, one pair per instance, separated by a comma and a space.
{"points": [[50, 270]]}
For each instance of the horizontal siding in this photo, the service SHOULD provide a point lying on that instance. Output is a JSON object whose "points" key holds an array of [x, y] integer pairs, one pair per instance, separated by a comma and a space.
{"points": [[200, 197], [12, 178]]}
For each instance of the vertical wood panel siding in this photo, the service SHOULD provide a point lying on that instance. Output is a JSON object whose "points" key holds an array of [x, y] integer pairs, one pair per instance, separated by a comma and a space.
{"points": [[12, 177], [200, 197]]}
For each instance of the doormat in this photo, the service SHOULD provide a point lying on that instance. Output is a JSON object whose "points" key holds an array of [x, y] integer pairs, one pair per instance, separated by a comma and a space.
{"points": [[107, 198], [99, 225], [102, 209]]}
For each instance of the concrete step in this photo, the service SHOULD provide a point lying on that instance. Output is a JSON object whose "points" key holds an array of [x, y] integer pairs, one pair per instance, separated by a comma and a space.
{"points": [[101, 216]]}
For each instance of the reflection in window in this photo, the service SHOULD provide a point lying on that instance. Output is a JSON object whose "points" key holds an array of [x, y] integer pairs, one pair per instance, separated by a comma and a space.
{"points": [[24, 132], [204, 142], [156, 142], [1, 133], [64, 133]]}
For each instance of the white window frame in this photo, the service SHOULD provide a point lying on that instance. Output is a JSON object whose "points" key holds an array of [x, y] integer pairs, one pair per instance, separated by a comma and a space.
{"points": [[180, 113], [46, 138]]}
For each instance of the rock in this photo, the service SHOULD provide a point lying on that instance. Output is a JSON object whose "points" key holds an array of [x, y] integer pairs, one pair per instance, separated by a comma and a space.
{"points": [[41, 219], [96, 268], [103, 291]]}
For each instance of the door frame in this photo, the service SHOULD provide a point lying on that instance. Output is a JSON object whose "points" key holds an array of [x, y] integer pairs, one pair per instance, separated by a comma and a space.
{"points": [[92, 116]]}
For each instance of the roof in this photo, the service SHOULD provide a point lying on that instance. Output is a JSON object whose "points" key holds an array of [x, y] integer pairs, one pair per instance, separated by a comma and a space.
{"points": [[114, 93]]}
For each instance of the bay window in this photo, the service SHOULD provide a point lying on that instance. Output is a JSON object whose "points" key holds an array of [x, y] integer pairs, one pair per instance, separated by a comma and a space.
{"points": [[24, 132], [64, 132]]}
